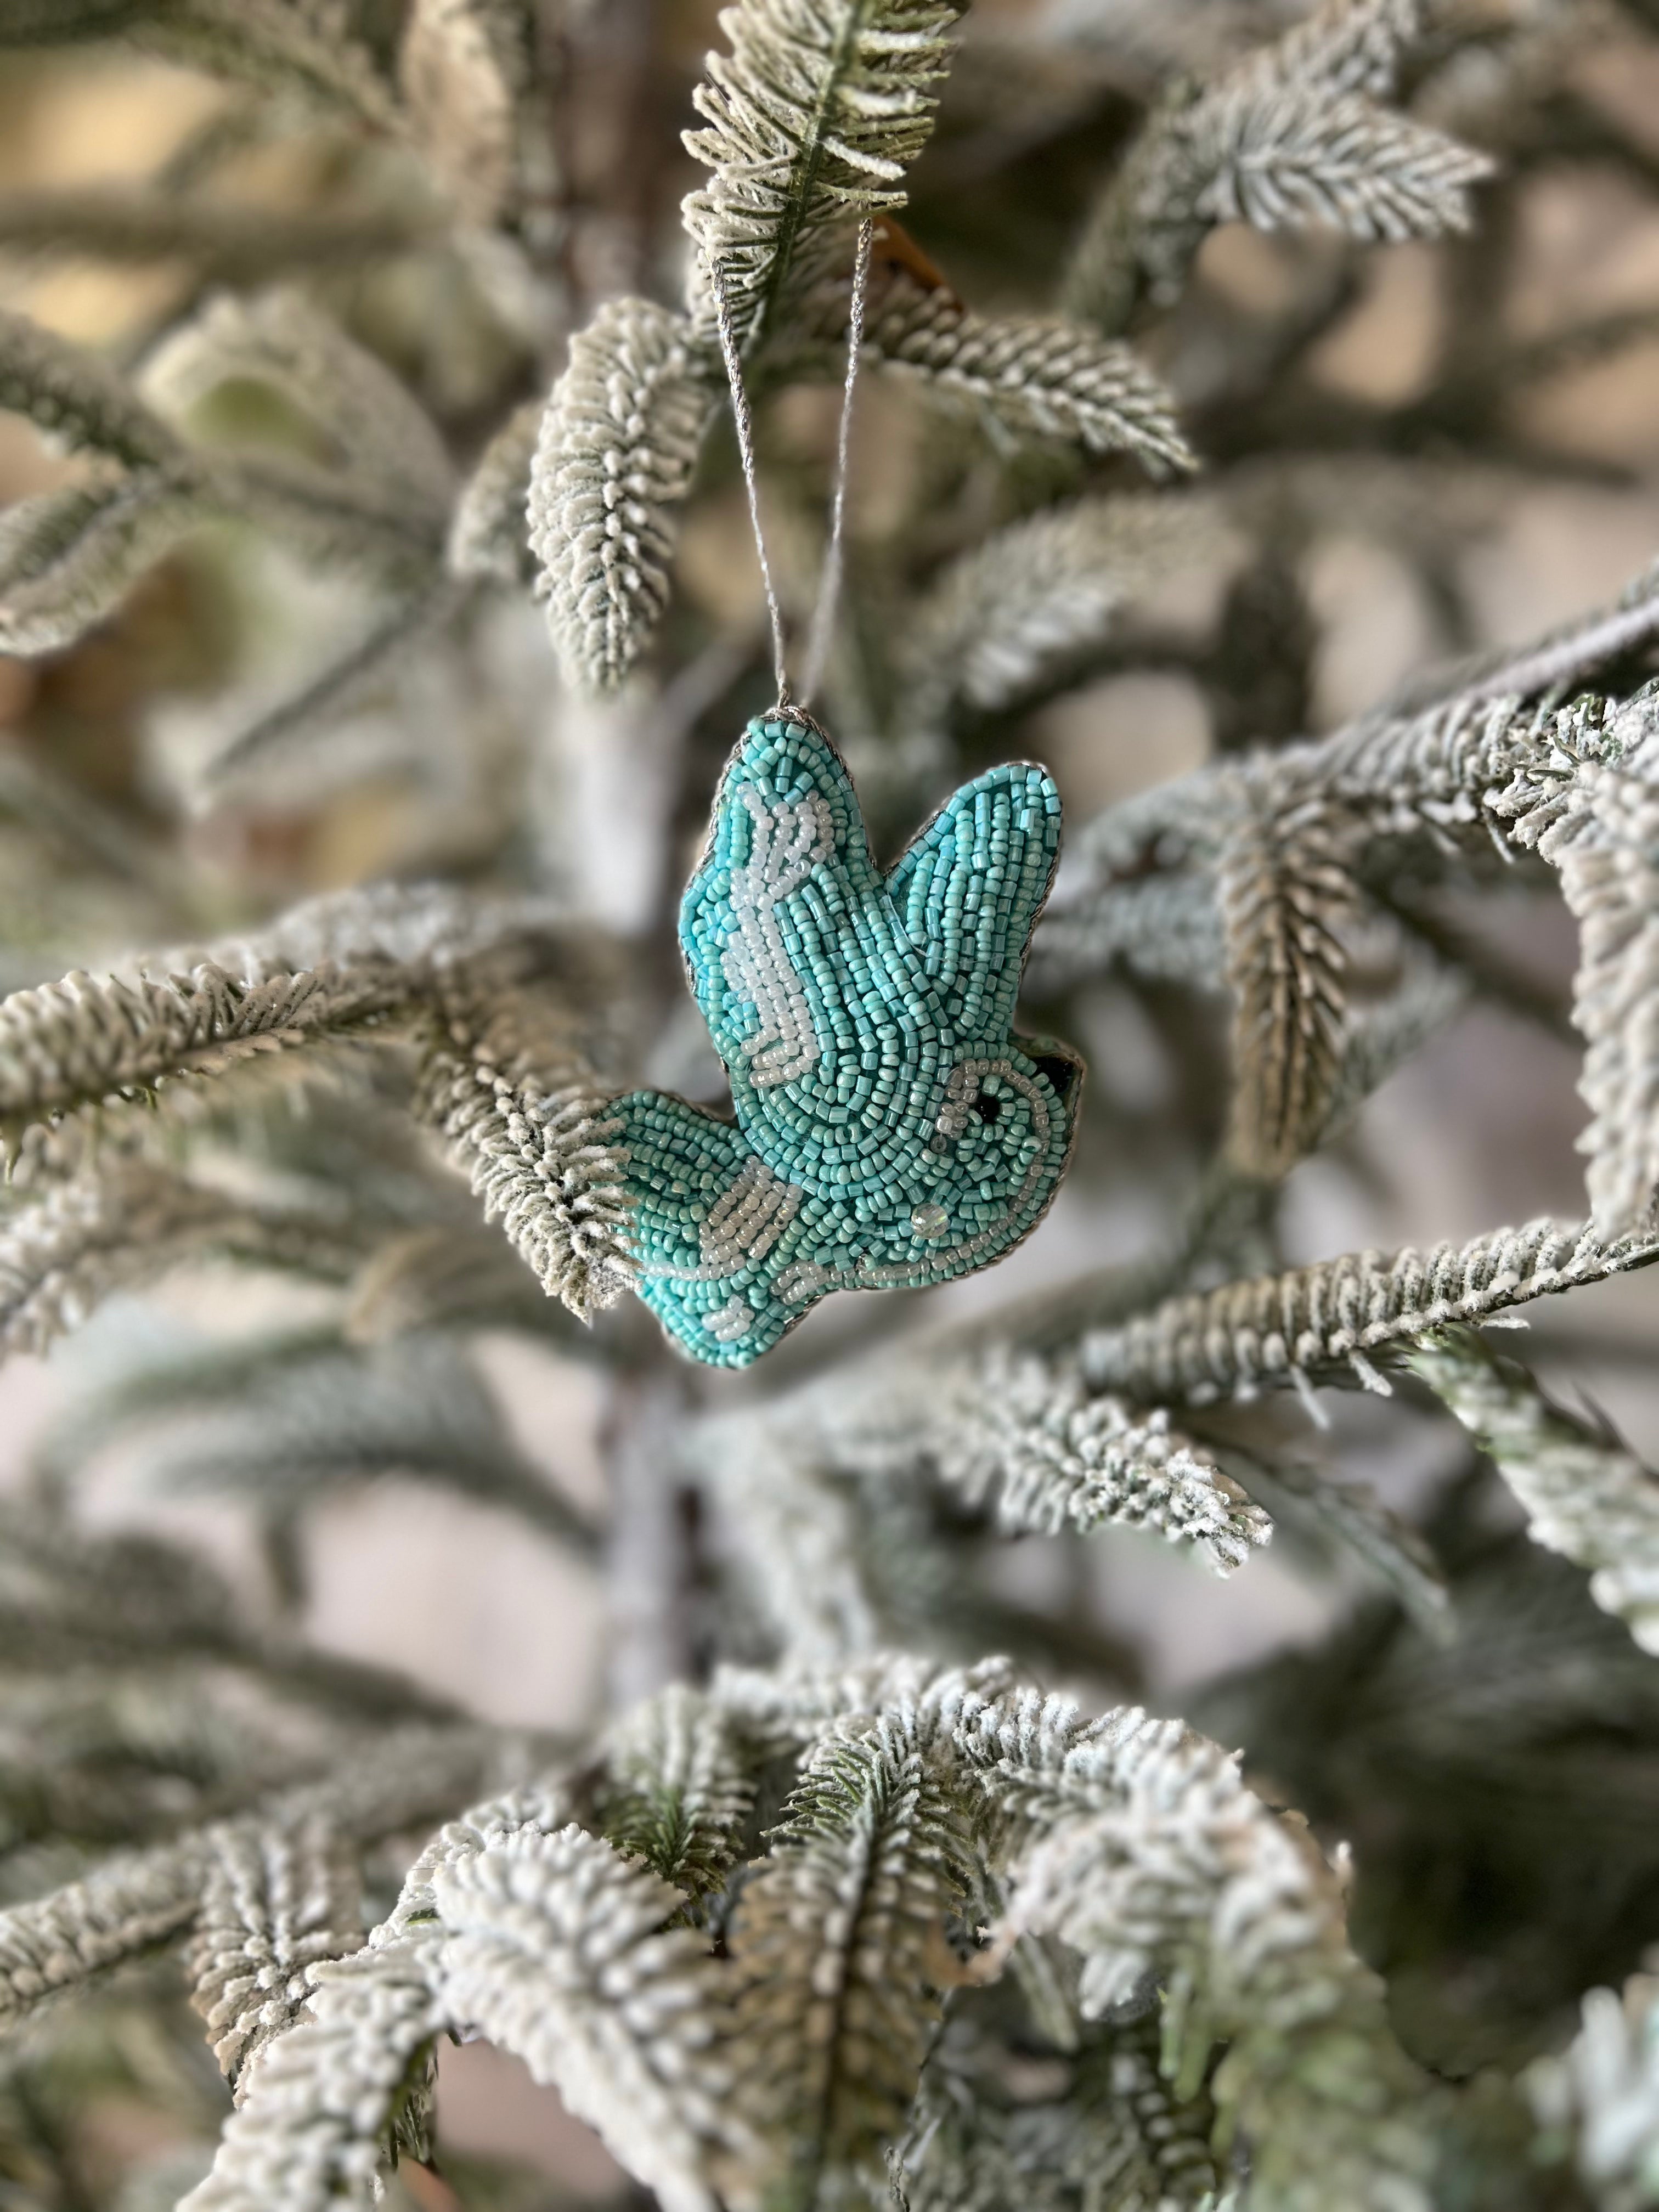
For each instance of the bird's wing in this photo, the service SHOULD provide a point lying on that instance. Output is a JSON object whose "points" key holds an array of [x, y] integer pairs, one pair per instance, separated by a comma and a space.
{"points": [[776, 924], [968, 891]]}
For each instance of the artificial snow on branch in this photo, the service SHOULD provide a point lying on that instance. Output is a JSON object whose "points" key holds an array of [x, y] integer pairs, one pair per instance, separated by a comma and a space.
{"points": [[532, 1130], [68, 558], [676, 1794], [94, 1234], [1027, 605], [1151, 1857], [811, 121], [613, 466], [1286, 891], [1317, 1322], [1029, 375], [74, 398], [1059, 1457], [1291, 136], [381, 437], [555, 1949], [276, 1901], [1586, 1494], [68, 1048]]}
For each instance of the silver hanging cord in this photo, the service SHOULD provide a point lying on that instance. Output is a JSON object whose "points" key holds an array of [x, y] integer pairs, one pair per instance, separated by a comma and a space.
{"points": [[745, 424], [822, 631], [824, 614]]}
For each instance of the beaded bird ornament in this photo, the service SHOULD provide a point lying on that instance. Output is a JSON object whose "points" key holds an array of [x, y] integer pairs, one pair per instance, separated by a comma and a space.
{"points": [[890, 1131]]}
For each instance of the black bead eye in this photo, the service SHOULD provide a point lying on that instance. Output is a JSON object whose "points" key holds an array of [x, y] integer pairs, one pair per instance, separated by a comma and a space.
{"points": [[1061, 1070], [986, 1106]]}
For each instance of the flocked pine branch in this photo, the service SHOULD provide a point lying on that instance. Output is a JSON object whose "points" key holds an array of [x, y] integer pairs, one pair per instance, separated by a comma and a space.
{"points": [[555, 1949], [838, 1952], [73, 1047], [1031, 376], [811, 121], [1059, 1457], [613, 466], [1285, 888], [1027, 605], [133, 1222], [489, 533], [74, 398], [328, 2099], [524, 1117], [1284, 847], [281, 1420], [463, 67], [68, 557], [1318, 1321], [276, 1902], [676, 1794], [1586, 1494], [1152, 1858], [226, 241], [301, 47], [1121, 2131], [380, 437], [1293, 135], [134, 1901]]}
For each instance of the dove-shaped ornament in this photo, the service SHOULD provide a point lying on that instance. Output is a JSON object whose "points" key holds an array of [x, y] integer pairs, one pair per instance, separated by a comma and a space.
{"points": [[890, 1131]]}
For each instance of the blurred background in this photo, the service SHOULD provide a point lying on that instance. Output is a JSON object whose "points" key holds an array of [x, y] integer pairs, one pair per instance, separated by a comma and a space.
{"points": [[1430, 535]]}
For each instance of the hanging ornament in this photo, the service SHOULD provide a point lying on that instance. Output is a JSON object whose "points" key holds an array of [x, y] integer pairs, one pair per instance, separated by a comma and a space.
{"points": [[890, 1131]]}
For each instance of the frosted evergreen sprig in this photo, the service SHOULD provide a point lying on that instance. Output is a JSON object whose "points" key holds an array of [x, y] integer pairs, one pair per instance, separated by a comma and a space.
{"points": [[795, 1534], [533, 1133], [300, 1415], [1592, 807], [555, 1949], [677, 1795], [301, 47], [1282, 847], [382, 437], [1286, 891], [76, 399], [326, 2098], [811, 121], [98, 1233], [277, 1900], [1585, 1493], [1267, 1331], [1059, 1457], [1119, 2129], [68, 557], [789, 2055], [1153, 1858], [488, 533], [462, 71], [120, 1909], [68, 1048], [613, 464], [839, 1952], [1030, 375], [1030, 602], [1292, 136], [135, 1900]]}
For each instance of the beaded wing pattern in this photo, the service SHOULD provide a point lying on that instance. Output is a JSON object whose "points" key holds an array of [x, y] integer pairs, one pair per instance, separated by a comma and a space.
{"points": [[890, 1130]]}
